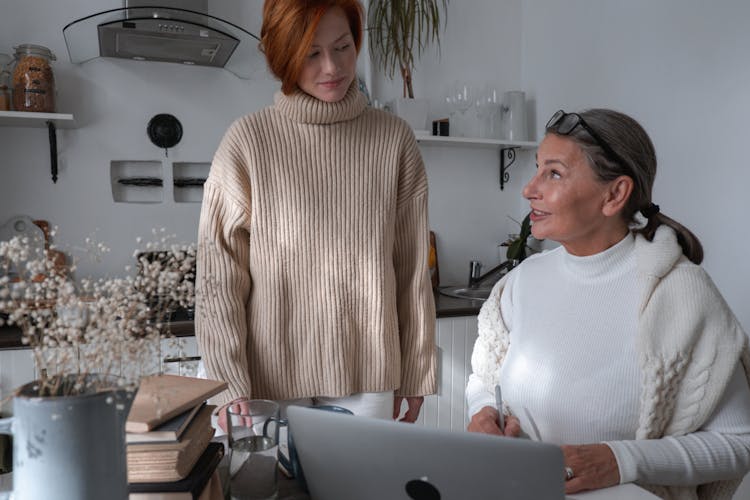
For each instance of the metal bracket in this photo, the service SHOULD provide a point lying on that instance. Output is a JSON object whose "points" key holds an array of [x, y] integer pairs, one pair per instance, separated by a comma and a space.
{"points": [[52, 149], [507, 157]]}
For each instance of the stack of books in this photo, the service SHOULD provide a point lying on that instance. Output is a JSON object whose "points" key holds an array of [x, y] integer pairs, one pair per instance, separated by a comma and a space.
{"points": [[201, 483], [169, 450]]}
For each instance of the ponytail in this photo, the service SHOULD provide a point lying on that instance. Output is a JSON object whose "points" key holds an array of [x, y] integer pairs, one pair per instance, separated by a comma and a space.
{"points": [[637, 160], [691, 245]]}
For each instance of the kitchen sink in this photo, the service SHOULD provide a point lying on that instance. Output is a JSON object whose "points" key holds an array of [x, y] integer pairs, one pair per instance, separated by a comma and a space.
{"points": [[465, 292]]}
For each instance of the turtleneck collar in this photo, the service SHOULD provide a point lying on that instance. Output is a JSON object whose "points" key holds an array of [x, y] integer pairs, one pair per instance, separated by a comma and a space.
{"points": [[610, 262], [304, 108]]}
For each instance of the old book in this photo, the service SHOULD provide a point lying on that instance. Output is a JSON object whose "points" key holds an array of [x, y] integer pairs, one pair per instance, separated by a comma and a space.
{"points": [[189, 488], [162, 397], [169, 431], [154, 462]]}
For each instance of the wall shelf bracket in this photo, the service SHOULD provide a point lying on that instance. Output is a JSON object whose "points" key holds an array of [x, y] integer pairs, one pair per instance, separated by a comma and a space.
{"points": [[52, 149], [507, 157]]}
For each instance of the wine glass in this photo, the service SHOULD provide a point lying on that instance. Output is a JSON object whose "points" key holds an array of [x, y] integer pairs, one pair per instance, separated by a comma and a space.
{"points": [[460, 99], [488, 110], [464, 97]]}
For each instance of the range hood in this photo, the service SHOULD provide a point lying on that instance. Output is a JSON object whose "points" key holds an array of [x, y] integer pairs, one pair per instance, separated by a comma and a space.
{"points": [[177, 31]]}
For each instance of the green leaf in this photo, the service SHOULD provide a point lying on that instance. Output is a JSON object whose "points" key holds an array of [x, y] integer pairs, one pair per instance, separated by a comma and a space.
{"points": [[526, 227], [517, 249]]}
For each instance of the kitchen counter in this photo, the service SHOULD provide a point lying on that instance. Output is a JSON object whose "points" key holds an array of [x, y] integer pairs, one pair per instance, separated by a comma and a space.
{"points": [[10, 336]]}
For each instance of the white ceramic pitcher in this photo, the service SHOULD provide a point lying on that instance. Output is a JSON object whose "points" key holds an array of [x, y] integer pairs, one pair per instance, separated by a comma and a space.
{"points": [[69, 447]]}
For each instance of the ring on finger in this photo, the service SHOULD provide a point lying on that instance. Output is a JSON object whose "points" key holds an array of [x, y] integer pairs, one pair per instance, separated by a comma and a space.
{"points": [[569, 473]]}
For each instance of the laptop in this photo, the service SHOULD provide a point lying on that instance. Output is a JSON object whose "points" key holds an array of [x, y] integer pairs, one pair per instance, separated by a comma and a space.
{"points": [[346, 457]]}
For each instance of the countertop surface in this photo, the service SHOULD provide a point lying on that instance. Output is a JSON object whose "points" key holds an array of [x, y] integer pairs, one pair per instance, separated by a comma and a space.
{"points": [[10, 336]]}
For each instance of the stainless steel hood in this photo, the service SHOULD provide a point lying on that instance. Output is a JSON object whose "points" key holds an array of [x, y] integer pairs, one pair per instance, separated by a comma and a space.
{"points": [[178, 31]]}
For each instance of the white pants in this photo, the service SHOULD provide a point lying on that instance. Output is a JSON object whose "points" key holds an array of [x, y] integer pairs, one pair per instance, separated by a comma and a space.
{"points": [[366, 404]]}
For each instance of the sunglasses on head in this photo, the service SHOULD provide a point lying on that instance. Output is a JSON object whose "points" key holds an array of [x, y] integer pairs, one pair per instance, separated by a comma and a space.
{"points": [[564, 123]]}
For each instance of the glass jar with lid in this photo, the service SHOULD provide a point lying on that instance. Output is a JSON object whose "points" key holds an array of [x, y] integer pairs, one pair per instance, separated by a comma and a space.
{"points": [[33, 80]]}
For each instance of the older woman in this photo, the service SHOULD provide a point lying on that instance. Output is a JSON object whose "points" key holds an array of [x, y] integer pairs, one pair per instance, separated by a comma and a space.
{"points": [[615, 345], [313, 284]]}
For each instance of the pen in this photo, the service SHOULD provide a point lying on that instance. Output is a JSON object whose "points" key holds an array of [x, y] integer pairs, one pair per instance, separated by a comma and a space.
{"points": [[499, 405]]}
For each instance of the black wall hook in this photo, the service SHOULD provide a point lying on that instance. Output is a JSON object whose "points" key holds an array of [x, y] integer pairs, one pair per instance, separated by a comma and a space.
{"points": [[164, 130]]}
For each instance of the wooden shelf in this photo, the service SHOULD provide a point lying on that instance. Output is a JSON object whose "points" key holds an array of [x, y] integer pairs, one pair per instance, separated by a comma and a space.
{"points": [[437, 140], [35, 120]]}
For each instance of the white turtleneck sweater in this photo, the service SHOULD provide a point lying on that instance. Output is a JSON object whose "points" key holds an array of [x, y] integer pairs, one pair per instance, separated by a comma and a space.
{"points": [[312, 262], [571, 373]]}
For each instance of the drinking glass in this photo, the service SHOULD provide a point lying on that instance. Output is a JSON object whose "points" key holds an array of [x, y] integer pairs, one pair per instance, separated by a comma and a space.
{"points": [[253, 433]]}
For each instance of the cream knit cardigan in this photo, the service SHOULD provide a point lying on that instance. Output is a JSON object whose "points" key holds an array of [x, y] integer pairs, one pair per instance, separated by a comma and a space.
{"points": [[688, 345], [313, 249]]}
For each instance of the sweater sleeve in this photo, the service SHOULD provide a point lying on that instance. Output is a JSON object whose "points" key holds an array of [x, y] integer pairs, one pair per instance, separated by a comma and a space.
{"points": [[719, 451], [223, 279], [415, 302], [489, 349]]}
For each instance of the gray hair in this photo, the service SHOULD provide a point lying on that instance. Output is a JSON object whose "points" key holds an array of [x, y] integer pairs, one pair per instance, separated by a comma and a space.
{"points": [[637, 160]]}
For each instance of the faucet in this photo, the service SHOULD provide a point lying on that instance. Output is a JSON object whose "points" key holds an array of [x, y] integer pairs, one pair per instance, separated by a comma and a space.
{"points": [[475, 270]]}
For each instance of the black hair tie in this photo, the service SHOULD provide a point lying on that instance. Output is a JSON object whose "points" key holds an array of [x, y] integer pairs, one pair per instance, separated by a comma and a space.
{"points": [[651, 210]]}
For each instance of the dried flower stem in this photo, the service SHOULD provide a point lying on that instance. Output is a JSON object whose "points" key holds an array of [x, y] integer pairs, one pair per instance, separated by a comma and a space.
{"points": [[108, 327]]}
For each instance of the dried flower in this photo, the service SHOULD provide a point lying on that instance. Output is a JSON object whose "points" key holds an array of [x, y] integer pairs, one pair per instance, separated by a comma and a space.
{"points": [[108, 327]]}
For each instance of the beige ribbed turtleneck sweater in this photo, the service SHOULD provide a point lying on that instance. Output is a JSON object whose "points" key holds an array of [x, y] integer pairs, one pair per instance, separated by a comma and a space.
{"points": [[312, 264]]}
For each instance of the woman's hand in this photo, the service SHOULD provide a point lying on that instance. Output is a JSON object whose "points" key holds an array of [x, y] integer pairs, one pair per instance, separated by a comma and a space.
{"points": [[486, 421], [239, 406], [593, 466], [413, 403]]}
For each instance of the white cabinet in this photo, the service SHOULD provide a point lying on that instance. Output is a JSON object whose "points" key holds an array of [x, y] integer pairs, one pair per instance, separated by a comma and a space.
{"points": [[455, 341], [179, 356]]}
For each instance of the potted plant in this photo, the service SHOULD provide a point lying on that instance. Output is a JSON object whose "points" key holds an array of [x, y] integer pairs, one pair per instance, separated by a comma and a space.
{"points": [[517, 244], [398, 31], [91, 341]]}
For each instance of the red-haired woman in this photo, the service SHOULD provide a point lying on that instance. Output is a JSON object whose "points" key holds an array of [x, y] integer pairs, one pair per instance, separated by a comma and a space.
{"points": [[313, 284]]}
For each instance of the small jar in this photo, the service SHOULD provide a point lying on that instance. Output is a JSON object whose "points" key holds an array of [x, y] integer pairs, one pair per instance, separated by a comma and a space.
{"points": [[33, 80]]}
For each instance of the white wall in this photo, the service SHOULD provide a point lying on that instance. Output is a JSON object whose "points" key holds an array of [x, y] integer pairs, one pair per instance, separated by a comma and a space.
{"points": [[112, 101], [681, 68], [468, 212]]}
